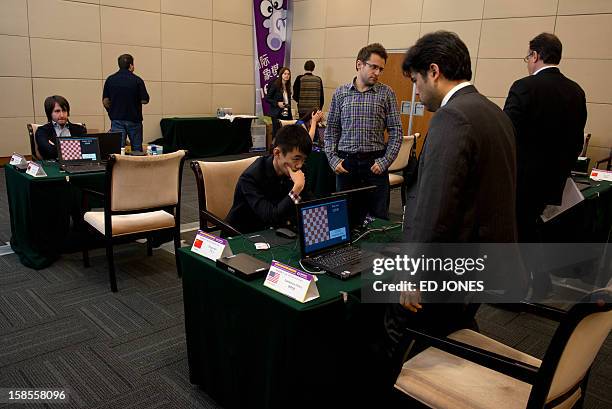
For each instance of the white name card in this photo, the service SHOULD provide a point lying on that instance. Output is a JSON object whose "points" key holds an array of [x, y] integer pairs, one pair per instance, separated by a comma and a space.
{"points": [[18, 161], [36, 170], [291, 282], [210, 246], [598, 174]]}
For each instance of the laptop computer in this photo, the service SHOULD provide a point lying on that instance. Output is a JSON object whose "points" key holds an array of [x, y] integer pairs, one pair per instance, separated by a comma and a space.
{"points": [[109, 142], [358, 211], [79, 154], [325, 238]]}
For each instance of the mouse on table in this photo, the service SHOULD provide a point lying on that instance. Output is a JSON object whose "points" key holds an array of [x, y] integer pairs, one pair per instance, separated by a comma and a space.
{"points": [[286, 233]]}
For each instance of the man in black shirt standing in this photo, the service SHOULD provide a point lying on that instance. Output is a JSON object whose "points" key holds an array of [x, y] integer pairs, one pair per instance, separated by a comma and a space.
{"points": [[269, 189], [123, 96]]}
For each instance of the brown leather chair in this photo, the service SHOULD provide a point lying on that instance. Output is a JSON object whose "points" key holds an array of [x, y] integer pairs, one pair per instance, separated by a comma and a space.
{"points": [[143, 196], [216, 183], [471, 370]]}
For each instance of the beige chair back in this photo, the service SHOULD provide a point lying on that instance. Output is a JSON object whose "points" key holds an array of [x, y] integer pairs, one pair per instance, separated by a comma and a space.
{"points": [[404, 153], [143, 182], [580, 352], [220, 179], [33, 145]]}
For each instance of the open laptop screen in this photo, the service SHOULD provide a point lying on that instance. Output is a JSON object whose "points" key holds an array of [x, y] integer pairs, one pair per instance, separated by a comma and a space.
{"points": [[324, 224], [78, 149]]}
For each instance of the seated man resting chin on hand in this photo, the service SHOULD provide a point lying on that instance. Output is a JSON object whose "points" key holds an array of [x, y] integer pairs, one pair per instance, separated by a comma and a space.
{"points": [[269, 189]]}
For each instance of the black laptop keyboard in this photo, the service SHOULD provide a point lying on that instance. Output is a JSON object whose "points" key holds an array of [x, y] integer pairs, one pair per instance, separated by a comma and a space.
{"points": [[344, 256], [83, 168]]}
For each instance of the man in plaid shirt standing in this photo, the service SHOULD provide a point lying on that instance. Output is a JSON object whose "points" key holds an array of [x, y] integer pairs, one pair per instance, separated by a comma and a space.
{"points": [[354, 139]]}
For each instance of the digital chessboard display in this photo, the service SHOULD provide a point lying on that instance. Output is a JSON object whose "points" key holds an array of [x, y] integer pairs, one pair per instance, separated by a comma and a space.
{"points": [[324, 225]]}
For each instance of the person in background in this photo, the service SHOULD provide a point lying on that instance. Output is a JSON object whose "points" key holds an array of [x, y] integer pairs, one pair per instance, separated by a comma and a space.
{"points": [[308, 90], [57, 109], [279, 98], [268, 190], [548, 111], [123, 96], [310, 121], [359, 113]]}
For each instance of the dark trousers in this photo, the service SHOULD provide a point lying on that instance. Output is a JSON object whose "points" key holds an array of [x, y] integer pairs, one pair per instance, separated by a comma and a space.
{"points": [[385, 343], [376, 202], [529, 231]]}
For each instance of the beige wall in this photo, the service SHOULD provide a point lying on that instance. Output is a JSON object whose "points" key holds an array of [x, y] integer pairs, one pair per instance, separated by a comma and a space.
{"points": [[194, 55], [496, 32]]}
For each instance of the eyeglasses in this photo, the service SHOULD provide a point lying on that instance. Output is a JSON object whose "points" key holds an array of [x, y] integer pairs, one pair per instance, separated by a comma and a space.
{"points": [[526, 59], [374, 67]]}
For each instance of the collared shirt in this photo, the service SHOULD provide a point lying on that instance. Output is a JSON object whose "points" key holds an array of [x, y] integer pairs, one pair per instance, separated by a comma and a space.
{"points": [[357, 122], [452, 92], [545, 67], [61, 130]]}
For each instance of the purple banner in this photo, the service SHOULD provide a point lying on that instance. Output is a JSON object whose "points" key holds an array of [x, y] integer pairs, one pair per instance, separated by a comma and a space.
{"points": [[272, 25]]}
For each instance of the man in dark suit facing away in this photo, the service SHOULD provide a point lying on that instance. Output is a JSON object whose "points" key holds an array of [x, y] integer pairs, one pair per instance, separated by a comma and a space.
{"points": [[548, 111], [464, 192]]}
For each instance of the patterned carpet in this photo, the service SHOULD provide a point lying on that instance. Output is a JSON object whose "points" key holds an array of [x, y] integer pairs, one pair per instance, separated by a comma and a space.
{"points": [[62, 327]]}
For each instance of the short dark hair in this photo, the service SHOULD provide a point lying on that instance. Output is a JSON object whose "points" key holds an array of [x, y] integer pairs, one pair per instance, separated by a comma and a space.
{"points": [[374, 48], [548, 46], [309, 65], [442, 48], [293, 136], [124, 61], [56, 99]]}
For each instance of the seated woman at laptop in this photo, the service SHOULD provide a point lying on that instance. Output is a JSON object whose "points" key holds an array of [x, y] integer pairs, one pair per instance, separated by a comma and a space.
{"points": [[268, 190], [57, 109]]}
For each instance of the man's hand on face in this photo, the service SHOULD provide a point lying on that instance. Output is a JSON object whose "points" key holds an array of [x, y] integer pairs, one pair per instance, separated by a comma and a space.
{"points": [[340, 169], [298, 178]]}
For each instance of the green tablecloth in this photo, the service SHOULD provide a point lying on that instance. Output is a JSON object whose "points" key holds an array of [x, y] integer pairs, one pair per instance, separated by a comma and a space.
{"points": [[250, 347], [589, 221], [40, 210], [207, 136]]}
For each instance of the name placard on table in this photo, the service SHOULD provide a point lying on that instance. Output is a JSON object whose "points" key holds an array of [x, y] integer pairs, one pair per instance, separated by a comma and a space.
{"points": [[599, 174], [291, 282], [19, 161], [36, 170], [210, 246]]}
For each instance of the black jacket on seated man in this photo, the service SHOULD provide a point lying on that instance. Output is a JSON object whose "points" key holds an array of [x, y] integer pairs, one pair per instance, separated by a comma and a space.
{"points": [[268, 190], [46, 138], [261, 199]]}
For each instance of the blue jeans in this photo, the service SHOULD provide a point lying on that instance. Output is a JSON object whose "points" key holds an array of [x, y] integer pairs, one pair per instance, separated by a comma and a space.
{"points": [[375, 203], [132, 129]]}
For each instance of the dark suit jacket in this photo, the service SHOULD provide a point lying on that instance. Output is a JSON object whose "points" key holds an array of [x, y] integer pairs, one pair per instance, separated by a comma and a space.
{"points": [[275, 95], [45, 134], [261, 198], [466, 183], [549, 112]]}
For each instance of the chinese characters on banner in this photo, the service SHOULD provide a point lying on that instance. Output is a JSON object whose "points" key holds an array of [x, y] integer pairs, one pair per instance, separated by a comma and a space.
{"points": [[272, 34]]}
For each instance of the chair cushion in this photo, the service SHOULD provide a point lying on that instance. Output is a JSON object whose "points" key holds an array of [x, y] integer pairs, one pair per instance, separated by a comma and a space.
{"points": [[467, 336], [395, 180], [442, 380], [131, 223]]}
